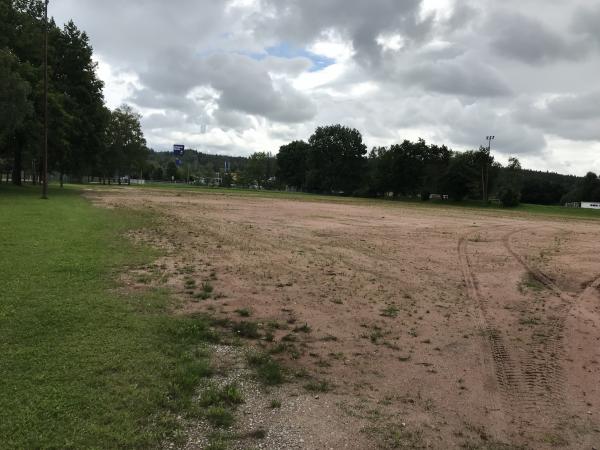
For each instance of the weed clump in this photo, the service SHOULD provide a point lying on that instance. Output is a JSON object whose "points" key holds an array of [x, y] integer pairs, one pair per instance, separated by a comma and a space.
{"points": [[246, 329], [268, 370]]}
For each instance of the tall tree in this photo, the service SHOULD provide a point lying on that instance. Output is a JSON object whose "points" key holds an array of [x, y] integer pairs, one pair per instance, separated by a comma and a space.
{"points": [[76, 78], [291, 163], [336, 160], [260, 170], [15, 105], [126, 149]]}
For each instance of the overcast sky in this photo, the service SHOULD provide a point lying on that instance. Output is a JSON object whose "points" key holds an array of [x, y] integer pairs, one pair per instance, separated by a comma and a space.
{"points": [[240, 76]]}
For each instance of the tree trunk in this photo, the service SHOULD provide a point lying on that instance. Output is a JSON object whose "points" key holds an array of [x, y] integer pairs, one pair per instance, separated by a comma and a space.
{"points": [[61, 179], [17, 163]]}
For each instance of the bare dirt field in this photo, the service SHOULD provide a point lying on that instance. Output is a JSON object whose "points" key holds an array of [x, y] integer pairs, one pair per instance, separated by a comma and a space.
{"points": [[401, 326]]}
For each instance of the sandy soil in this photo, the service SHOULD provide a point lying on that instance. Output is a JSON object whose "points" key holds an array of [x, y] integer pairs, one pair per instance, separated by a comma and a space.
{"points": [[435, 328]]}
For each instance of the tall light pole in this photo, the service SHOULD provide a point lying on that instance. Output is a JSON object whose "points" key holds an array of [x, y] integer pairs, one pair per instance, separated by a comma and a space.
{"points": [[487, 167], [45, 175]]}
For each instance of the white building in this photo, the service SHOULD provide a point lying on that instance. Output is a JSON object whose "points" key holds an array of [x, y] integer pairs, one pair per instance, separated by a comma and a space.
{"points": [[590, 205]]}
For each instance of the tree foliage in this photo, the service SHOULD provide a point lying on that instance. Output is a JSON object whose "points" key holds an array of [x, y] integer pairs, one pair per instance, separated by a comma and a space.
{"points": [[335, 161]]}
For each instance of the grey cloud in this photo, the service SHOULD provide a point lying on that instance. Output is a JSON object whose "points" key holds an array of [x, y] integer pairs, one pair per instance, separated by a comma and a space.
{"points": [[246, 86], [573, 117], [232, 120], [462, 76], [528, 40], [361, 21], [243, 84], [586, 22], [469, 125], [287, 66], [163, 121]]}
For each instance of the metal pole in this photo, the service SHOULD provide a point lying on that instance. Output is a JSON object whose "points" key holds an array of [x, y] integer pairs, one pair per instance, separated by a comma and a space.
{"points": [[45, 182], [487, 166]]}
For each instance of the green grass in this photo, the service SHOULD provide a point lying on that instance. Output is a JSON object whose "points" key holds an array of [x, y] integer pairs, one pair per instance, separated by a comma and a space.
{"points": [[268, 371], [84, 364]]}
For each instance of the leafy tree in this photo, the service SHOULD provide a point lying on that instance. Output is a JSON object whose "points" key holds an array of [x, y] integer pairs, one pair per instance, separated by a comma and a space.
{"points": [[461, 177], [509, 197], [260, 170], [125, 146], [336, 159], [15, 105], [172, 171], [157, 173], [76, 78], [15, 108], [291, 163], [510, 193]]}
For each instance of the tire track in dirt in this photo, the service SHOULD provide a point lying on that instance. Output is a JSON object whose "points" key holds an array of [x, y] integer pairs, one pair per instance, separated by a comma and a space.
{"points": [[542, 368], [533, 382], [505, 368]]}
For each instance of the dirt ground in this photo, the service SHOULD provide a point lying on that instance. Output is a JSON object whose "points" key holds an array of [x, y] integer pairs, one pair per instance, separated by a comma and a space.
{"points": [[426, 327]]}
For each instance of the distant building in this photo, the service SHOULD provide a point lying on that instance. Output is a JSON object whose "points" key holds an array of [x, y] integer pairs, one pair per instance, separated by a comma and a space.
{"points": [[590, 205]]}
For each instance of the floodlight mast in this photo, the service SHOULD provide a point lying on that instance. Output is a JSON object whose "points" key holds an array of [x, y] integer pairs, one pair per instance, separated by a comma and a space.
{"points": [[45, 174], [487, 170]]}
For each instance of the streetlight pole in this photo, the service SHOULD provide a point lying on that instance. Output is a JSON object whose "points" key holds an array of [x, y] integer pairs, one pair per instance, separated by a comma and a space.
{"points": [[45, 181], [487, 166]]}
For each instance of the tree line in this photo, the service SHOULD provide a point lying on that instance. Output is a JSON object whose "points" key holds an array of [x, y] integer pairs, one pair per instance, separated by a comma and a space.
{"points": [[85, 138], [335, 160]]}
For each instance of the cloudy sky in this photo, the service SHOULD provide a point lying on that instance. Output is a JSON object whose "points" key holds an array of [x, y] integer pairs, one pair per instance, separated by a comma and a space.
{"points": [[240, 76]]}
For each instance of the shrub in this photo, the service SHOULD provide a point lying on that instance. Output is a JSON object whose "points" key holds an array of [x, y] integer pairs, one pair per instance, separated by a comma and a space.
{"points": [[509, 197]]}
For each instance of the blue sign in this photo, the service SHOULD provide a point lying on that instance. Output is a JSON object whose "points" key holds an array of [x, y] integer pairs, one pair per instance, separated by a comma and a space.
{"points": [[178, 162], [178, 150]]}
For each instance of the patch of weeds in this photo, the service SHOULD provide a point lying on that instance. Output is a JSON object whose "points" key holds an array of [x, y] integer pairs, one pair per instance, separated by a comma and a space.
{"points": [[302, 329], [476, 238], [259, 433], [390, 311], [529, 321], [289, 338], [275, 404], [207, 287], [228, 395], [244, 312], [555, 440], [268, 370], [246, 329], [202, 295], [219, 416], [144, 279], [216, 444], [190, 284], [375, 335], [318, 386], [278, 349], [329, 338], [273, 325], [529, 282], [490, 445], [394, 436]]}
